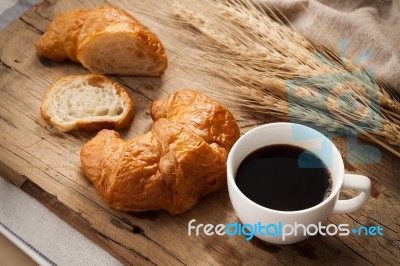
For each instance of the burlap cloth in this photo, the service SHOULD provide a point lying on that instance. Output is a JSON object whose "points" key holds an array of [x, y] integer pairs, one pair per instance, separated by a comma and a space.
{"points": [[372, 25]]}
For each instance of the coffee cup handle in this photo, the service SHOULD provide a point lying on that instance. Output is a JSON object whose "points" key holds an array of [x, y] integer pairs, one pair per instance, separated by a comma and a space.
{"points": [[356, 182]]}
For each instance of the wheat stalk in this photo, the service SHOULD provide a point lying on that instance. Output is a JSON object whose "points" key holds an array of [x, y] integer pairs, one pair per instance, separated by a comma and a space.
{"points": [[254, 60]]}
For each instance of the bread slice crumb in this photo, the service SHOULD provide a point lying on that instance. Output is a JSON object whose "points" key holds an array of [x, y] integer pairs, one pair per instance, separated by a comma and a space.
{"points": [[87, 102]]}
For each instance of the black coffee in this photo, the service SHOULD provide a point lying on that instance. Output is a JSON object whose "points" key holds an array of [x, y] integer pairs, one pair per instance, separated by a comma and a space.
{"points": [[284, 177]]}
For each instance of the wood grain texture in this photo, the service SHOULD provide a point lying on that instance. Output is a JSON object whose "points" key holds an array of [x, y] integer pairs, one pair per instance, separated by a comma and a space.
{"points": [[45, 164]]}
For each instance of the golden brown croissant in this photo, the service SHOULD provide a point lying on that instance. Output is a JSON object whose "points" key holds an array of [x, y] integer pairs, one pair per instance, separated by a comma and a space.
{"points": [[171, 167], [106, 40]]}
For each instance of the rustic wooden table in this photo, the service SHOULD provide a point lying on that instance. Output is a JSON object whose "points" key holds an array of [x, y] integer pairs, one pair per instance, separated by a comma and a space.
{"points": [[45, 164]]}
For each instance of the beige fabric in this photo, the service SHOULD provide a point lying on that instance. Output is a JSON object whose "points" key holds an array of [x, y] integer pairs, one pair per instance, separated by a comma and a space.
{"points": [[365, 24]]}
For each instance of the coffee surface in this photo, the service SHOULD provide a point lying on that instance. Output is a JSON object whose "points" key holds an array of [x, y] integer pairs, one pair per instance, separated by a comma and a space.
{"points": [[284, 177]]}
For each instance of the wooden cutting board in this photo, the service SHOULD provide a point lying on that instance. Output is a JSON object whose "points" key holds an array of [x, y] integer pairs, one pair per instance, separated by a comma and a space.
{"points": [[45, 163]]}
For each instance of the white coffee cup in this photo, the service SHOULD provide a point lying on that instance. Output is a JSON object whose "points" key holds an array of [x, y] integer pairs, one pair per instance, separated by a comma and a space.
{"points": [[252, 213]]}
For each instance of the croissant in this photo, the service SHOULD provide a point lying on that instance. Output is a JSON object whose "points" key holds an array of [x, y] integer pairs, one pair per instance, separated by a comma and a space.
{"points": [[106, 40], [180, 160]]}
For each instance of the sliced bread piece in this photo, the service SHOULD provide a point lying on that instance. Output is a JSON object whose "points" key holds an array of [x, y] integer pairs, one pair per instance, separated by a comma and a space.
{"points": [[106, 40], [87, 102]]}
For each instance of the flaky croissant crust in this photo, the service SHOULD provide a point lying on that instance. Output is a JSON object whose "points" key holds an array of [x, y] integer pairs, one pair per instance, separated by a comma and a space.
{"points": [[92, 37], [171, 167]]}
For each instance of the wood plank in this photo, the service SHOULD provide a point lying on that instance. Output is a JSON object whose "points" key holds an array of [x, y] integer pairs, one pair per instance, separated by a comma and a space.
{"points": [[45, 164]]}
